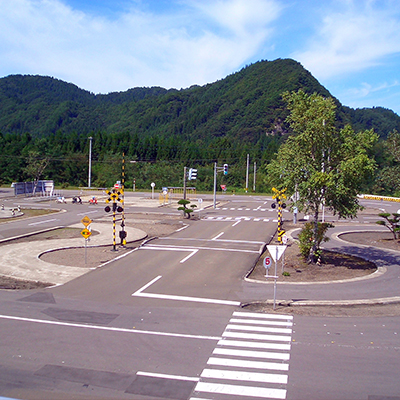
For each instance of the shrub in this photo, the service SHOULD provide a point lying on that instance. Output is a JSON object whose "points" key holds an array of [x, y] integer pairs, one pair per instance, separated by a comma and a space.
{"points": [[306, 238]]}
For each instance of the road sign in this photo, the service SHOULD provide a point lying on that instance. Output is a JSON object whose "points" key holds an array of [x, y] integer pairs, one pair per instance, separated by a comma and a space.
{"points": [[86, 233], [276, 251], [267, 262], [86, 220]]}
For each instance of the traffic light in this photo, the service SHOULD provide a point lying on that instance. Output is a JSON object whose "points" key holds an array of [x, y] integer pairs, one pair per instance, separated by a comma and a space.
{"points": [[225, 169], [192, 174]]}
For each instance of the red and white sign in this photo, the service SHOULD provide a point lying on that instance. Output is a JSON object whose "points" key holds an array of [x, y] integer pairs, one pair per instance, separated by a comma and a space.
{"points": [[223, 187], [267, 262]]}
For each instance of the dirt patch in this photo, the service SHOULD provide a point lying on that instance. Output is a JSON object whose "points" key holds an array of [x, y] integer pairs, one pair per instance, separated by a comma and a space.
{"points": [[383, 239], [27, 213], [334, 266]]}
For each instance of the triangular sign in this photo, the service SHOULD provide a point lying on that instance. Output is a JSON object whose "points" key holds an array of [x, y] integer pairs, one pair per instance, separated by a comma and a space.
{"points": [[276, 251]]}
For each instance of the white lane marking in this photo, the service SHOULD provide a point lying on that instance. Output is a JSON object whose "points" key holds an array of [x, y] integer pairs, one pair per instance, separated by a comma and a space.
{"points": [[109, 328], [230, 362], [256, 336], [219, 235], [88, 212], [237, 222], [139, 293], [187, 298], [253, 354], [262, 316], [257, 345], [165, 376], [148, 284], [245, 376], [258, 322], [167, 247], [259, 329], [181, 229], [209, 240], [42, 222], [241, 390], [187, 257]]}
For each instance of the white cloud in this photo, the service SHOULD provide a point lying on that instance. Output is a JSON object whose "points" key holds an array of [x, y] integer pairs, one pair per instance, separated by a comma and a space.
{"points": [[356, 38], [200, 42], [366, 89]]}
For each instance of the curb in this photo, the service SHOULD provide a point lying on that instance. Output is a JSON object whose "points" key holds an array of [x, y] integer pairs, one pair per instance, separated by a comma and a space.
{"points": [[331, 303]]}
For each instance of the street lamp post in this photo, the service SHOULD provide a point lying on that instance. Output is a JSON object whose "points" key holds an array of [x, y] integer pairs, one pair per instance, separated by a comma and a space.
{"points": [[90, 162]]}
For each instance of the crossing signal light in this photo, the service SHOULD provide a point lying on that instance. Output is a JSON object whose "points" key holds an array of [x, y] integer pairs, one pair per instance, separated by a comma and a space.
{"points": [[225, 169]]}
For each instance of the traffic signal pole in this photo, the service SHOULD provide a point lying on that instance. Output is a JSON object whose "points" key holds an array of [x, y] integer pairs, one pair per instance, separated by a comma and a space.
{"points": [[224, 169], [184, 183], [215, 185]]}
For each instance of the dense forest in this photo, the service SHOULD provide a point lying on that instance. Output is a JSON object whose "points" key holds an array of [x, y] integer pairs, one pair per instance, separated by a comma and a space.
{"points": [[46, 123]]}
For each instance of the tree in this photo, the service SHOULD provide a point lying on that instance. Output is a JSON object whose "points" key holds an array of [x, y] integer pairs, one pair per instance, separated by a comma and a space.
{"points": [[325, 165], [35, 166], [186, 211], [391, 223]]}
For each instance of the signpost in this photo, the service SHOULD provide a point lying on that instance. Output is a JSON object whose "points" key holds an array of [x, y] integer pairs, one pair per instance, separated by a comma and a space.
{"points": [[276, 253], [86, 221]]}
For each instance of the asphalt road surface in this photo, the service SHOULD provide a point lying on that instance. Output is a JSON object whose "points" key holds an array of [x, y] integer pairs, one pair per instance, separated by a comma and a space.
{"points": [[165, 322]]}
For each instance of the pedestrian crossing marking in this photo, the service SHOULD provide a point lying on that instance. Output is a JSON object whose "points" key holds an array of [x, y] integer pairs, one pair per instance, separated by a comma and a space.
{"points": [[244, 376], [219, 218], [241, 390], [242, 356]]}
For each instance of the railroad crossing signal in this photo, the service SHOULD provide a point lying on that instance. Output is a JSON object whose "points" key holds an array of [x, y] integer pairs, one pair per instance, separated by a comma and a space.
{"points": [[279, 195], [114, 195]]}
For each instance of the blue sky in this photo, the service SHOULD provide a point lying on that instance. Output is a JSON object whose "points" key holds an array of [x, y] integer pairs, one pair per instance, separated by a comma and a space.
{"points": [[351, 46]]}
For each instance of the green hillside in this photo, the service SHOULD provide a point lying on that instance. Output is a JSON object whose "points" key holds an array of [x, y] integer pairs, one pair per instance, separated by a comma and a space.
{"points": [[221, 121]]}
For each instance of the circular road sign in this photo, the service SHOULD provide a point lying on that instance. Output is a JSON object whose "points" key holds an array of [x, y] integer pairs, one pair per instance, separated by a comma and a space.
{"points": [[267, 262]]}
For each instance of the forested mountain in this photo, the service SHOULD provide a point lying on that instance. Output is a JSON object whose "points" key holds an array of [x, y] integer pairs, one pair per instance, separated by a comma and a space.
{"points": [[225, 120], [245, 104]]}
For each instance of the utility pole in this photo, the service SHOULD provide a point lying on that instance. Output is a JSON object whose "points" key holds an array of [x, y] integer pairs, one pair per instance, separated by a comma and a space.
{"points": [[184, 183], [215, 185], [90, 162], [254, 182], [247, 174]]}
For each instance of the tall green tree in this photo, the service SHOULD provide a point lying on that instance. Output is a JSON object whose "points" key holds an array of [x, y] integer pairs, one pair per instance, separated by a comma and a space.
{"points": [[326, 166]]}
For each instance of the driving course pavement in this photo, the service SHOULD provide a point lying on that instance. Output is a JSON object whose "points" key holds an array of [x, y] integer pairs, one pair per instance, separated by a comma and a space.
{"points": [[166, 322]]}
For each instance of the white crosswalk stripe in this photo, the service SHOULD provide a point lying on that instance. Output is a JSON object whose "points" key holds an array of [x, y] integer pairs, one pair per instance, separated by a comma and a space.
{"points": [[250, 361], [215, 218]]}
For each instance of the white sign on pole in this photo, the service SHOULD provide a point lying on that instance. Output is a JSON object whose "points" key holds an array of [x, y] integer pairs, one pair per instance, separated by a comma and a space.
{"points": [[267, 263], [276, 251]]}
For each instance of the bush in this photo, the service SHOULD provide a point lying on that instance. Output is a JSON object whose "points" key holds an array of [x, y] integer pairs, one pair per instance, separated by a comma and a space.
{"points": [[306, 238]]}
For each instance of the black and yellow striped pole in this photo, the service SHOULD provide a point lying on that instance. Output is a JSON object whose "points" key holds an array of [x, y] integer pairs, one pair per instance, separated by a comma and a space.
{"points": [[123, 233], [279, 195], [114, 197]]}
